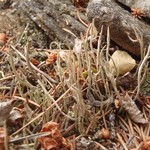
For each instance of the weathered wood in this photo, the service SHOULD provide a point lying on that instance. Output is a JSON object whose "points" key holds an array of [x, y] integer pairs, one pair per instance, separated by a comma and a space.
{"points": [[54, 17], [121, 22], [142, 5], [57, 16]]}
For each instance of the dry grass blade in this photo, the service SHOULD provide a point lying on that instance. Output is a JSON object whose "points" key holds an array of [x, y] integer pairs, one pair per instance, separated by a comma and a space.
{"points": [[76, 89], [146, 57], [33, 136], [34, 67], [55, 103], [122, 142], [41, 114]]}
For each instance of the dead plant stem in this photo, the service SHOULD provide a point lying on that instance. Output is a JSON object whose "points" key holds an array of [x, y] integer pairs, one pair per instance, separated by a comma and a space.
{"points": [[42, 113], [34, 67], [28, 61], [51, 98], [6, 136], [15, 72], [122, 142], [139, 72]]}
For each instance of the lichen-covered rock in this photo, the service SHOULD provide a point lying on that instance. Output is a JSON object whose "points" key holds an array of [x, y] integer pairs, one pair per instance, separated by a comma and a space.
{"points": [[142, 5], [129, 32]]}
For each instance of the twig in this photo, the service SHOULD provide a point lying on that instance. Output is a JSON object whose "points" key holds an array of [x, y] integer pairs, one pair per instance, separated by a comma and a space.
{"points": [[34, 67], [21, 81], [29, 101], [122, 142], [78, 15], [130, 140], [110, 76], [19, 40], [131, 129], [139, 146], [6, 136], [37, 135], [51, 98], [68, 31], [108, 43], [139, 72], [6, 78], [104, 120], [42, 113], [100, 145], [5, 88], [2, 74], [28, 61]]}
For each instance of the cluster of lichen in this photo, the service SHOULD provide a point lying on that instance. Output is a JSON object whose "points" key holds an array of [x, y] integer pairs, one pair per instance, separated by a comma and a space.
{"points": [[145, 87]]}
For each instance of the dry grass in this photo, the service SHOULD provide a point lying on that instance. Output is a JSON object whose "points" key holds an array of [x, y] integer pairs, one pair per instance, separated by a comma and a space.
{"points": [[78, 93]]}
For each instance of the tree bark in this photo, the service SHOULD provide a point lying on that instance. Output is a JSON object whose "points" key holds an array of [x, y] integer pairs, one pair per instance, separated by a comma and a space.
{"points": [[123, 25], [56, 18], [142, 5]]}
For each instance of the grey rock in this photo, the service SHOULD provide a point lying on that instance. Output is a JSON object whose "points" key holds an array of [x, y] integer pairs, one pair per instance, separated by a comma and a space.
{"points": [[142, 5]]}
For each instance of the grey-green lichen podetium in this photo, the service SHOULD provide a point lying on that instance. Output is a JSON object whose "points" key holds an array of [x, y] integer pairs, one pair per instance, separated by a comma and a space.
{"points": [[142, 5], [145, 87]]}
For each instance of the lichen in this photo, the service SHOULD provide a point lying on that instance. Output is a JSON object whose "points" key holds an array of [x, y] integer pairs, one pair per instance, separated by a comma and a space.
{"points": [[145, 87]]}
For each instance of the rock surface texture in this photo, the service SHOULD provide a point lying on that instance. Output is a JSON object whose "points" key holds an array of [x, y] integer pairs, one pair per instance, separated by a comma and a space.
{"points": [[128, 31], [142, 5], [57, 18]]}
